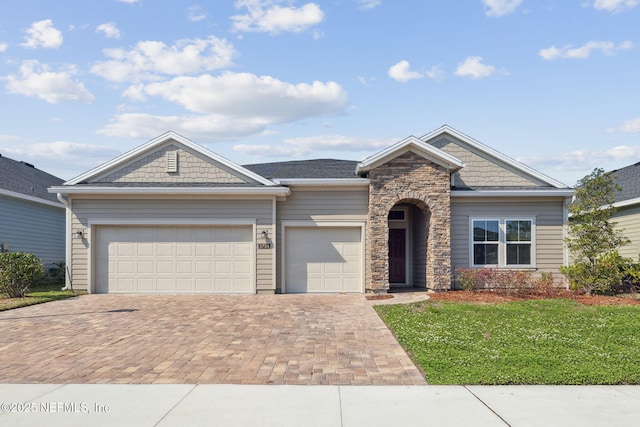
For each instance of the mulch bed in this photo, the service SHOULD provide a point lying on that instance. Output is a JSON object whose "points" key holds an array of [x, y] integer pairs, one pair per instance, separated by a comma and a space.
{"points": [[492, 297]]}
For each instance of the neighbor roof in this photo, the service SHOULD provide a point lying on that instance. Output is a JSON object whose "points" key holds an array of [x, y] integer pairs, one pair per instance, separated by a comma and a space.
{"points": [[23, 178], [317, 168], [629, 179]]}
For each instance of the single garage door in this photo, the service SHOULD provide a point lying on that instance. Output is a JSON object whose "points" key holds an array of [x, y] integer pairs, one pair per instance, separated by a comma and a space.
{"points": [[323, 259], [164, 259]]}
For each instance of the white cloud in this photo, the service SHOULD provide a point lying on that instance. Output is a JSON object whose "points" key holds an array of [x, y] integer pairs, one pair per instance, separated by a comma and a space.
{"points": [[61, 158], [266, 16], [229, 106], [210, 127], [583, 52], [196, 14], [128, 1], [248, 95], [401, 72], [615, 6], [474, 68], [630, 126], [369, 4], [43, 34], [303, 147], [3, 47], [499, 8], [150, 59], [583, 160], [39, 81], [109, 29]]}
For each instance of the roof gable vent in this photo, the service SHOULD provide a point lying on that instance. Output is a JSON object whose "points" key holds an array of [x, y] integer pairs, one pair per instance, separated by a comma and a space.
{"points": [[172, 161]]}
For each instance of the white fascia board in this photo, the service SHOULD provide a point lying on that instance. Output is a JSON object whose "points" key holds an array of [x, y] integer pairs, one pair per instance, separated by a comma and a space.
{"points": [[165, 137], [323, 182], [625, 203], [30, 198], [513, 193], [493, 153], [428, 151], [251, 191]]}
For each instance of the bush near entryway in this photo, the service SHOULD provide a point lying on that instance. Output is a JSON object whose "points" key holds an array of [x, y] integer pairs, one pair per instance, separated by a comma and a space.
{"points": [[18, 271], [517, 282]]}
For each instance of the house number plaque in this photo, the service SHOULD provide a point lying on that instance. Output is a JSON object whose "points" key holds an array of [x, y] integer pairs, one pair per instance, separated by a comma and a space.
{"points": [[264, 245]]}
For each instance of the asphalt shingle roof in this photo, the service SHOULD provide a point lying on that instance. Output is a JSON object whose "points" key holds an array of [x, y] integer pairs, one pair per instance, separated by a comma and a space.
{"points": [[629, 179], [24, 178], [318, 168]]}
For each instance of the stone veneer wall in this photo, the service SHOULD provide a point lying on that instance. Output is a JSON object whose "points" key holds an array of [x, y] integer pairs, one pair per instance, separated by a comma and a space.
{"points": [[409, 178]]}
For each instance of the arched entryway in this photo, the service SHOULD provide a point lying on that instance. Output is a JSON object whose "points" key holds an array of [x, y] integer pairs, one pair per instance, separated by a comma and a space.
{"points": [[408, 234]]}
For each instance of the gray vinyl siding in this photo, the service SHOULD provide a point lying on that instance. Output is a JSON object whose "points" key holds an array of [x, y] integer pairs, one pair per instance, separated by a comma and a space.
{"points": [[305, 204], [627, 220], [33, 227], [88, 210], [549, 231]]}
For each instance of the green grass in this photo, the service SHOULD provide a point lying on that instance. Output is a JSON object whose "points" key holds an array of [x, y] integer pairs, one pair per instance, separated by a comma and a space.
{"points": [[37, 295], [530, 342]]}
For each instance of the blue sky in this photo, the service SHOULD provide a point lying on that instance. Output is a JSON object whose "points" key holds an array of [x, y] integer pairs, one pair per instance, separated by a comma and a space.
{"points": [[553, 83]]}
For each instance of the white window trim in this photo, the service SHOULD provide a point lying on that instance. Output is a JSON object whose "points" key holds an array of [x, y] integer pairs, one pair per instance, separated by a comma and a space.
{"points": [[502, 243]]}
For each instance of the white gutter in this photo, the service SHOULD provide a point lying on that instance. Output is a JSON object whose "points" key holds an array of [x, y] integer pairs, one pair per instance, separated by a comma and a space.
{"points": [[252, 191], [30, 198], [513, 193], [624, 203], [323, 182]]}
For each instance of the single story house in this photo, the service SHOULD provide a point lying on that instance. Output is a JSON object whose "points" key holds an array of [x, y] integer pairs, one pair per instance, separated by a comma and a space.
{"points": [[31, 219], [173, 217], [627, 202]]}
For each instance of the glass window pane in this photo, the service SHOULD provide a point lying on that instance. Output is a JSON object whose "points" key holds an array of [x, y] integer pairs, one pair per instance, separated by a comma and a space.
{"points": [[518, 231], [485, 254], [485, 231], [519, 254], [493, 231]]}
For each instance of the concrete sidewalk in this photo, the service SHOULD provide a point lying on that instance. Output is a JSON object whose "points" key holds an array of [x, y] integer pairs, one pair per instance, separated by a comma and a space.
{"points": [[285, 405]]}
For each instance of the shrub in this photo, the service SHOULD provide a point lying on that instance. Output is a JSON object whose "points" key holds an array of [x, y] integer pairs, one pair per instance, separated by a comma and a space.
{"points": [[604, 274], [18, 271]]}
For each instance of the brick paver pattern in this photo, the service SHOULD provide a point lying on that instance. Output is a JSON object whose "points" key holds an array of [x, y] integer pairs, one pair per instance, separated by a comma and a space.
{"points": [[202, 339]]}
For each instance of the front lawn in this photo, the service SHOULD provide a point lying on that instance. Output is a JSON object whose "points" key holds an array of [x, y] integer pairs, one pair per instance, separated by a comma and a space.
{"points": [[553, 341], [39, 294]]}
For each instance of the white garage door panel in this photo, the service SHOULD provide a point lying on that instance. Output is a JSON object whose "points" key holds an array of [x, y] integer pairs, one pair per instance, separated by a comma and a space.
{"points": [[159, 259], [323, 259]]}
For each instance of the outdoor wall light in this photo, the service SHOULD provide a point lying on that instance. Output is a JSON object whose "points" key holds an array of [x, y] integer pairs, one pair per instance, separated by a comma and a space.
{"points": [[264, 234], [78, 234]]}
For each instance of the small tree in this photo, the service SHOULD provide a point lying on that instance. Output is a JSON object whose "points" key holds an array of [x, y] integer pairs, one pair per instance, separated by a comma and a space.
{"points": [[18, 271], [592, 239]]}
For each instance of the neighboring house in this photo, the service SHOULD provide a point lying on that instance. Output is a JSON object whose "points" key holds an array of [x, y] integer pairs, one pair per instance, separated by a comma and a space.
{"points": [[173, 217], [627, 216], [31, 219]]}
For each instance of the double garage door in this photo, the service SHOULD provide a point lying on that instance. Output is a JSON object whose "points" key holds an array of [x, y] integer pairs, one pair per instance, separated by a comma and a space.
{"points": [[174, 259]]}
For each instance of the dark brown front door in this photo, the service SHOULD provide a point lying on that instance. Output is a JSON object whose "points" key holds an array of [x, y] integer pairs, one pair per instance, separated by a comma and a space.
{"points": [[397, 255]]}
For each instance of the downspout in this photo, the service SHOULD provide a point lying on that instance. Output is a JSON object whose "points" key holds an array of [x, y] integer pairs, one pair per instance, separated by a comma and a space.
{"points": [[565, 231], [67, 262]]}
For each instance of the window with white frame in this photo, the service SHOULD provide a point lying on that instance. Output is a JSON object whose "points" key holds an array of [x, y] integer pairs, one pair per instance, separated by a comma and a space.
{"points": [[502, 242]]}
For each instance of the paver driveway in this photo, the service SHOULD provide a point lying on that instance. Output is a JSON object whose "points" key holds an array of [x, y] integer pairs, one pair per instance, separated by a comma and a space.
{"points": [[257, 339]]}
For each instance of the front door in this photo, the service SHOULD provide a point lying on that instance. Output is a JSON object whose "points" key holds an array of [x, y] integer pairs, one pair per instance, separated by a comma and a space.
{"points": [[397, 255]]}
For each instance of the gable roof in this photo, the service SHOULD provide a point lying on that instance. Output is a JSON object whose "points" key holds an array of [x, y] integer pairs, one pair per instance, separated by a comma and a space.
{"points": [[23, 180], [492, 153], [628, 178], [158, 141], [306, 169], [414, 145]]}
